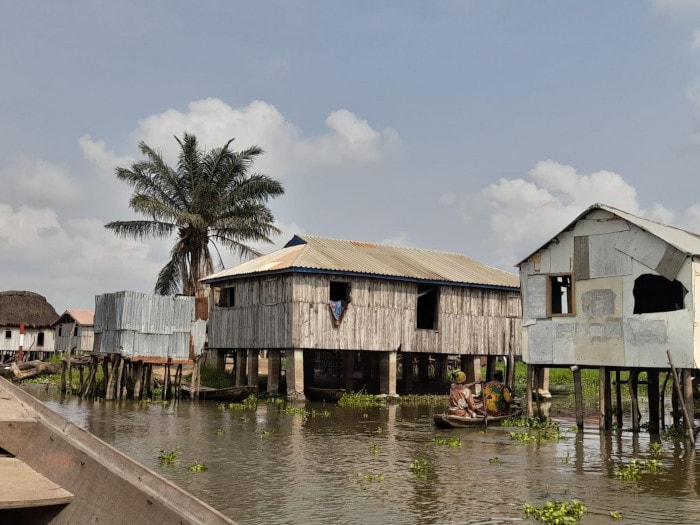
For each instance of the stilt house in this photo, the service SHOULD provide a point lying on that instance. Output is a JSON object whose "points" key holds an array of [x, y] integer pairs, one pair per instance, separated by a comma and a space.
{"points": [[616, 292], [350, 311], [75, 331], [26, 320]]}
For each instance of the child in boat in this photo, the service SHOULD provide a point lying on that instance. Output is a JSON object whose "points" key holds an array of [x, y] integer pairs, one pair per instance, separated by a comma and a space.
{"points": [[461, 398], [497, 396]]}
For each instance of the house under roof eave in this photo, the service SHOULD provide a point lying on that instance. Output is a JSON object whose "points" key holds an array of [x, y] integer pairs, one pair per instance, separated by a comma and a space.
{"points": [[311, 254], [684, 241], [80, 317]]}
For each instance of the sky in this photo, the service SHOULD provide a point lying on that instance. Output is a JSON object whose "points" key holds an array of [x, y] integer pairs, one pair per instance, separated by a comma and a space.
{"points": [[481, 127]]}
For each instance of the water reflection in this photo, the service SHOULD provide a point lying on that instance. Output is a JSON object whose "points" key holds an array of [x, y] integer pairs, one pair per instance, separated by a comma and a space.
{"points": [[271, 466]]}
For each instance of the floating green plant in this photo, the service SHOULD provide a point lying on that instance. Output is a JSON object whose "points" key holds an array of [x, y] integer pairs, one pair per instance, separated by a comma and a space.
{"points": [[374, 449], [220, 432], [615, 515], [420, 468], [266, 433], [538, 433], [495, 459], [356, 400], [197, 467], [450, 442], [169, 456], [371, 477], [556, 512], [655, 449], [635, 468]]}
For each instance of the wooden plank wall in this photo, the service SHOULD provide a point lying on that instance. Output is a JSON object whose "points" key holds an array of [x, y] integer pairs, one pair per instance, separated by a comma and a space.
{"points": [[292, 311]]}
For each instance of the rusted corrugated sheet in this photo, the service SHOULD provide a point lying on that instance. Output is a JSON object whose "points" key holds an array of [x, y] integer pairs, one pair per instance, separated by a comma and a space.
{"points": [[342, 256]]}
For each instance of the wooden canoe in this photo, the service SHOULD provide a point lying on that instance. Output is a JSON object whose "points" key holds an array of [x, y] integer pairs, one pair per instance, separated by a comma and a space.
{"points": [[329, 395], [232, 394], [450, 421]]}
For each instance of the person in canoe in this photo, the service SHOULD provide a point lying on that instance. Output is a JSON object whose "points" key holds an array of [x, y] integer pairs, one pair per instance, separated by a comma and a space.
{"points": [[497, 396], [461, 398]]}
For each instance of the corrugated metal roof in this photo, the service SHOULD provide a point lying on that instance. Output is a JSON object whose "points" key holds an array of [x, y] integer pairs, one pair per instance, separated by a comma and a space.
{"points": [[685, 241], [310, 253], [82, 317]]}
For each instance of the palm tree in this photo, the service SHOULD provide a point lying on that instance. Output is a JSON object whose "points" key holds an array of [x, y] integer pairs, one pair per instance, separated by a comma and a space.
{"points": [[210, 199]]}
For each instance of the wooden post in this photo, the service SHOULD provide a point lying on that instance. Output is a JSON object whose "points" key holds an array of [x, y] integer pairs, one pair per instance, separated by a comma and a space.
{"points": [[618, 399], [138, 379], [681, 400], [662, 401], [253, 367], [653, 394], [603, 396], [64, 366], [608, 399], [274, 368], [633, 386], [528, 390], [578, 397]]}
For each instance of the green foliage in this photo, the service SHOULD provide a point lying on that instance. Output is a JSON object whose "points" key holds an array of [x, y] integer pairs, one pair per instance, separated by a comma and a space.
{"points": [[421, 468], [655, 449], [556, 512], [421, 400], [538, 432], [169, 456], [635, 468], [674, 432], [214, 377], [453, 442], [374, 449], [197, 467], [495, 459], [358, 400], [372, 478], [615, 515], [208, 199]]}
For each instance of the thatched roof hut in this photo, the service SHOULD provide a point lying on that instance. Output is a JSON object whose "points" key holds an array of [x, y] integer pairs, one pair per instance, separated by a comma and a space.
{"points": [[29, 308]]}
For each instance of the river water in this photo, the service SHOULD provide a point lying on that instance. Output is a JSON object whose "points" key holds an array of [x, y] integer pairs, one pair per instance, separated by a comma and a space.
{"points": [[310, 463]]}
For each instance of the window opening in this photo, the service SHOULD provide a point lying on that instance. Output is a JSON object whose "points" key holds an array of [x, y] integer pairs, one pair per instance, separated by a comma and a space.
{"points": [[339, 291], [655, 293], [426, 307], [560, 295], [40, 339], [75, 331], [60, 330], [227, 299], [8, 334]]}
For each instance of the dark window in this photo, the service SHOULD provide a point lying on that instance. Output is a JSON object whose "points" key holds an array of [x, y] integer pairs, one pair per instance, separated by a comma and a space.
{"points": [[560, 295], [40, 339], [426, 307], [60, 330], [339, 291], [8, 334], [75, 331], [654, 293], [228, 297]]}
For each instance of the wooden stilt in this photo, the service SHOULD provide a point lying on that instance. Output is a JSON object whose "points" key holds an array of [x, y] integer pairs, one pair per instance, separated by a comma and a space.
{"points": [[149, 380], [64, 367], [602, 398], [662, 401], [676, 381], [138, 380], [120, 379], [653, 395], [618, 399], [166, 383], [578, 397], [528, 390], [633, 386], [608, 399]]}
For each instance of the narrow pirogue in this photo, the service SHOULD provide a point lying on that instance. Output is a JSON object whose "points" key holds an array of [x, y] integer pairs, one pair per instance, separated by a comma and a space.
{"points": [[54, 472]]}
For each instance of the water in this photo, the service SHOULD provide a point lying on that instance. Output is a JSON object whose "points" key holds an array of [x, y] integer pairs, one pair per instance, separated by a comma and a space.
{"points": [[275, 467]]}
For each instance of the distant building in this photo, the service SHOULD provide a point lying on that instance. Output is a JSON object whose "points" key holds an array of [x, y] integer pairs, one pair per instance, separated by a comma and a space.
{"points": [[613, 291], [35, 314], [367, 305], [75, 331]]}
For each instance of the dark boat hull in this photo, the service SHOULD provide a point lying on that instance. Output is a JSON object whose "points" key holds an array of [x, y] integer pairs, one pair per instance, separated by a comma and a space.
{"points": [[449, 421], [234, 394]]}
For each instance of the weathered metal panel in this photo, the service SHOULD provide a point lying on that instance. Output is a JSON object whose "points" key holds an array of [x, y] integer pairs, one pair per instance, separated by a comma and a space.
{"points": [[536, 297], [600, 222], [604, 259], [671, 262], [581, 258], [540, 342], [642, 246], [596, 303]]}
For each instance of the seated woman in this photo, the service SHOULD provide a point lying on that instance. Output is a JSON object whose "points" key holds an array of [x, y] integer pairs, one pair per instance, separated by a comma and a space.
{"points": [[461, 398], [497, 396]]}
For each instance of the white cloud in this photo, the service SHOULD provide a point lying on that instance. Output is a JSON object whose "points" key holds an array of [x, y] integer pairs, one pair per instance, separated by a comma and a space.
{"points": [[401, 239], [38, 181], [675, 7], [519, 215], [350, 141]]}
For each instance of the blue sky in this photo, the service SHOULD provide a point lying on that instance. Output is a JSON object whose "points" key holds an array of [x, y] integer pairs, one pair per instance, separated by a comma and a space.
{"points": [[478, 127]]}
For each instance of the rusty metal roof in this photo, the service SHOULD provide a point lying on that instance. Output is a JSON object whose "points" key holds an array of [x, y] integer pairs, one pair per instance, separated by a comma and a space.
{"points": [[312, 254]]}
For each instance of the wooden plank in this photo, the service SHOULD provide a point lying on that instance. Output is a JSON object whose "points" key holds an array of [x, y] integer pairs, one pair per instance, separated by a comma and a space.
{"points": [[22, 486]]}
